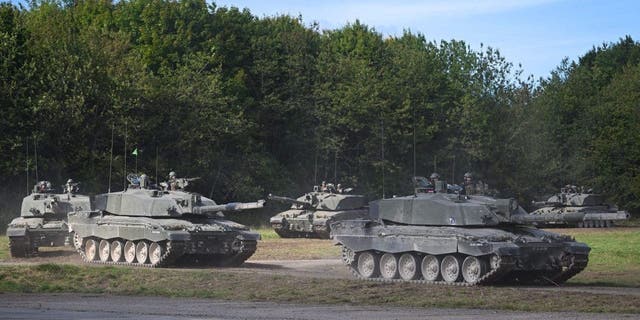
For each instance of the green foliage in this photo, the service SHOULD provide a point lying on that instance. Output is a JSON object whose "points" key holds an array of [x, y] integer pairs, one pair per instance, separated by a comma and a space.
{"points": [[258, 105]]}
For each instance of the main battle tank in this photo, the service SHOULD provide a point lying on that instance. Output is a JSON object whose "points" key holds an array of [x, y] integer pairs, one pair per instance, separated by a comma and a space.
{"points": [[312, 214], [154, 228], [572, 201], [43, 219], [455, 239]]}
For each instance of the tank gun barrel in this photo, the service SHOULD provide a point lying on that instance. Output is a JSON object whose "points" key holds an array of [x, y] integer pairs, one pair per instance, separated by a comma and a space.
{"points": [[232, 206], [288, 200], [540, 204], [569, 218]]}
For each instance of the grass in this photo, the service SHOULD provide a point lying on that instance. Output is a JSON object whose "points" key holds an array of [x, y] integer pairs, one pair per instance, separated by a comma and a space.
{"points": [[223, 284], [614, 261]]}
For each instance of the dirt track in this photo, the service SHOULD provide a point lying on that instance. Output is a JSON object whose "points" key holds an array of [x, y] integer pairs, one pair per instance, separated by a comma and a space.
{"points": [[83, 306], [317, 268]]}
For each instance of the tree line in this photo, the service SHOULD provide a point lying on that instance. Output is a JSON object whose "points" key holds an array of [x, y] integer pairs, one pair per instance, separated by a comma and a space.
{"points": [[275, 105]]}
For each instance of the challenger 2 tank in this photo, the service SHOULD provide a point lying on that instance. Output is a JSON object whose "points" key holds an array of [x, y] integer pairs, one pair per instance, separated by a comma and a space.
{"points": [[455, 239], [142, 226], [43, 219], [312, 214], [574, 201]]}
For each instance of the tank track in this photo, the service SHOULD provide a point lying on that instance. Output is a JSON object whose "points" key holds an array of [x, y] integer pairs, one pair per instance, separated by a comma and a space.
{"points": [[596, 224], [20, 247], [578, 263], [286, 233], [504, 266], [173, 250], [248, 248]]}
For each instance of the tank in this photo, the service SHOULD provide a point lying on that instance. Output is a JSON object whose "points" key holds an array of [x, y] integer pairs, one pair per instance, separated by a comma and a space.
{"points": [[43, 219], [312, 214], [149, 227], [574, 201], [458, 240]]}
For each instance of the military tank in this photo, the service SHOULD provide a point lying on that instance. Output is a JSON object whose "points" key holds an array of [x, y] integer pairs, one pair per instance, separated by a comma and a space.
{"points": [[454, 239], [43, 219], [312, 214], [573, 200], [143, 226]]}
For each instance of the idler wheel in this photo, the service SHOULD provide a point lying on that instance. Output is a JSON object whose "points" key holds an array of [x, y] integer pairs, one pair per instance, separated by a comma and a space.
{"points": [[450, 269], [130, 252], [473, 269], [155, 252], [91, 249], [389, 266], [368, 264], [408, 267], [142, 252], [430, 268], [104, 250], [117, 250]]}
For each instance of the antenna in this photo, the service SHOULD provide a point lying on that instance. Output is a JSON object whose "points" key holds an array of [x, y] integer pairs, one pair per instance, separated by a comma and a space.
{"points": [[315, 169], [335, 166], [35, 155], [26, 140], [157, 162], [414, 141], [125, 157], [113, 126], [382, 155]]}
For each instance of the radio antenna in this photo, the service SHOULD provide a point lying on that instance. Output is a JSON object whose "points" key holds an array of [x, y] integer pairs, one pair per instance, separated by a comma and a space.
{"points": [[26, 140], [113, 126], [382, 154], [35, 155], [414, 141], [125, 157], [157, 162]]}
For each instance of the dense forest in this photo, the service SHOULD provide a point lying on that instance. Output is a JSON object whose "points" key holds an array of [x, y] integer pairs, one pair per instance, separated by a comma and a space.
{"points": [[275, 105]]}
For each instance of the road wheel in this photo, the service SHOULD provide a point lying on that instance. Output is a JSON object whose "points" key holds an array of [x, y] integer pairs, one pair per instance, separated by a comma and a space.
{"points": [[408, 267], [389, 266], [473, 269], [430, 268], [368, 264], [117, 250], [91, 249], [450, 269], [142, 252], [130, 252], [155, 253], [104, 250]]}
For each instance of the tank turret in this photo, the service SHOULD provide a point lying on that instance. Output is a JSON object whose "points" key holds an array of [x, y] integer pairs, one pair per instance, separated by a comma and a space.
{"points": [[143, 226], [573, 202], [43, 218], [456, 239], [311, 215]]}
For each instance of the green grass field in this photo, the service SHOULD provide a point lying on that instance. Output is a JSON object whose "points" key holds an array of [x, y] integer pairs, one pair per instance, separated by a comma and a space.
{"points": [[614, 261]]}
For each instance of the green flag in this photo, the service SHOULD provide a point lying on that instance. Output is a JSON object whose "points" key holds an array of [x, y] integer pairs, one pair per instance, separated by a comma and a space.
{"points": [[135, 152]]}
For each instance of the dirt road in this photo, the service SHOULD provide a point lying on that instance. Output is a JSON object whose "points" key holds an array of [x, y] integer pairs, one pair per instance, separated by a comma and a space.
{"points": [[82, 306]]}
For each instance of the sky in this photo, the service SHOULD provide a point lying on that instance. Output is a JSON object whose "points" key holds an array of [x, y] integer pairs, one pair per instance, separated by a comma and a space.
{"points": [[537, 34]]}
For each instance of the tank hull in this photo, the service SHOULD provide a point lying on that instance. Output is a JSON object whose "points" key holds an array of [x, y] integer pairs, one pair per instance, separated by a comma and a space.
{"points": [[593, 217], [458, 255], [160, 242], [300, 223], [27, 234]]}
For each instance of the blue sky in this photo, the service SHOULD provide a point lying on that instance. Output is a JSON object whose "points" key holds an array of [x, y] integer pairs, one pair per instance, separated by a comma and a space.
{"points": [[535, 33]]}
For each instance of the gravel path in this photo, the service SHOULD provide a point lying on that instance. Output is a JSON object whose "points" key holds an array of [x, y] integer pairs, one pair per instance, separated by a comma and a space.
{"points": [[82, 306]]}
